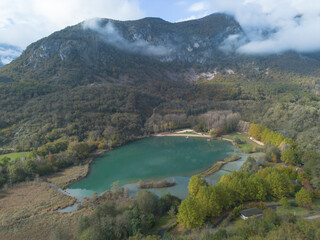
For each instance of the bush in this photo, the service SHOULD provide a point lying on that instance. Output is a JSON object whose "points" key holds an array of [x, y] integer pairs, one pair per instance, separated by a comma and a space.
{"points": [[147, 202], [237, 140], [304, 198], [284, 202]]}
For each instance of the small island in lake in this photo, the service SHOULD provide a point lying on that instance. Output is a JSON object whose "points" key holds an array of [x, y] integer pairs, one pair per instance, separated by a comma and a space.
{"points": [[155, 184]]}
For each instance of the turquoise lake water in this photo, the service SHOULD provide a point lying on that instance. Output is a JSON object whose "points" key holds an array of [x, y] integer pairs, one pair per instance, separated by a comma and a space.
{"points": [[154, 159]]}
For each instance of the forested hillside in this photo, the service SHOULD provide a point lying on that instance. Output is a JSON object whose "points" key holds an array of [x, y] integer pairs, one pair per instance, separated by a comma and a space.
{"points": [[101, 80]]}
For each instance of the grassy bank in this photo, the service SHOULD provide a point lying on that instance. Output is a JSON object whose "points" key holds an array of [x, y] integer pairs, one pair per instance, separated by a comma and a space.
{"points": [[243, 143], [218, 165]]}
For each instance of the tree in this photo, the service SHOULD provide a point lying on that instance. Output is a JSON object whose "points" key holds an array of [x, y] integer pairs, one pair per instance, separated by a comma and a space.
{"points": [[304, 198], [255, 131], [147, 202], [273, 153], [81, 149], [278, 183], [209, 201], [237, 140], [248, 165], [196, 182], [16, 173], [288, 156], [225, 195], [190, 213], [213, 133]]}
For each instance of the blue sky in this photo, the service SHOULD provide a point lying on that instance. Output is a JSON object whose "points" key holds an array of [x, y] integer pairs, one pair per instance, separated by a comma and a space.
{"points": [[171, 10]]}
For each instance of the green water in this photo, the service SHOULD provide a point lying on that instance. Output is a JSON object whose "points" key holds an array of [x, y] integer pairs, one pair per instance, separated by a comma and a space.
{"points": [[152, 158]]}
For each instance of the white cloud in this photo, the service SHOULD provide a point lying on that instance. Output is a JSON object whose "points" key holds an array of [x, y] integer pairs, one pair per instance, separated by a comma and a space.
{"points": [[25, 21], [196, 7], [110, 34], [193, 17], [290, 24]]}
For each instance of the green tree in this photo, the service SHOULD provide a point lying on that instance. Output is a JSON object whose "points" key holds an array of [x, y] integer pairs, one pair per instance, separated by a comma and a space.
{"points": [[209, 201], [278, 183], [304, 198], [288, 156], [248, 165], [273, 153], [196, 182], [190, 213], [29, 166], [81, 149], [213, 133], [226, 196], [147, 202], [16, 173]]}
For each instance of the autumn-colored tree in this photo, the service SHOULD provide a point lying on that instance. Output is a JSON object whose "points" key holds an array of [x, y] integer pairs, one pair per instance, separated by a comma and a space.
{"points": [[304, 198], [213, 133], [209, 201], [279, 184], [190, 213], [196, 182], [255, 131]]}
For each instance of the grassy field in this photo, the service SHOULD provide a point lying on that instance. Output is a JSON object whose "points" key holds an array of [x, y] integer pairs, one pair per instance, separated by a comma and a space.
{"points": [[300, 211], [13, 156], [28, 211], [64, 178], [248, 146]]}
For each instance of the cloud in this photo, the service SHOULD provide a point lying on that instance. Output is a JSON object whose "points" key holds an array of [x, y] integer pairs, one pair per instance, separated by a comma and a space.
{"points": [[196, 7], [111, 35], [273, 26], [25, 21], [8, 53]]}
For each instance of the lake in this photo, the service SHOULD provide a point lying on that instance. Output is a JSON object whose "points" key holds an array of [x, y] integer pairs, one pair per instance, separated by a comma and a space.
{"points": [[154, 159]]}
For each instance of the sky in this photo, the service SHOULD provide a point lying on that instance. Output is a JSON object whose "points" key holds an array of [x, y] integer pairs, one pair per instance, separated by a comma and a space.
{"points": [[290, 24]]}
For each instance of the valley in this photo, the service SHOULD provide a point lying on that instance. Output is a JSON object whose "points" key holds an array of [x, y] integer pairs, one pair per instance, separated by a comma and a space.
{"points": [[97, 106]]}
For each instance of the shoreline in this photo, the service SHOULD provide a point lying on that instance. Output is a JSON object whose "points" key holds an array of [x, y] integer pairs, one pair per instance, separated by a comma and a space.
{"points": [[170, 134], [216, 167], [99, 153]]}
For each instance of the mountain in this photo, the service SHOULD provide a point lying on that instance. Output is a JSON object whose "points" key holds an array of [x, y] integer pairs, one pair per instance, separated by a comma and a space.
{"points": [[107, 79], [8, 53]]}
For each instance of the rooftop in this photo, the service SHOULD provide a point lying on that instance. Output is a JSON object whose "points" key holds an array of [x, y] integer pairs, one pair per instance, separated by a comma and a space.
{"points": [[251, 212]]}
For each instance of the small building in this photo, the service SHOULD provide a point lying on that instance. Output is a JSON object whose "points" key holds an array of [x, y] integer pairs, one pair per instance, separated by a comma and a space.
{"points": [[251, 212]]}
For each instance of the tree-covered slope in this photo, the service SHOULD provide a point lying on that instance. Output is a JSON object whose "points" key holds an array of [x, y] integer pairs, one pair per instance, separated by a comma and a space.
{"points": [[104, 79]]}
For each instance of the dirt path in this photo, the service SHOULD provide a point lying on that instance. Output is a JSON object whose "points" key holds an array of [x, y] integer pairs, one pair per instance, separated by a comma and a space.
{"points": [[180, 135], [312, 217], [162, 231], [257, 142]]}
